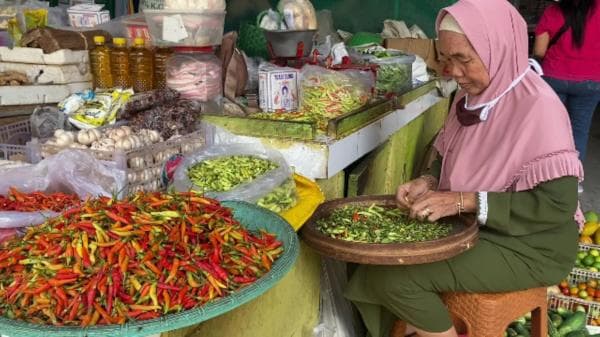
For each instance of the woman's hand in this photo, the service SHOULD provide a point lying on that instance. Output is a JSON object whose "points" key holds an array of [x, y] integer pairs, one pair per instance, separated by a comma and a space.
{"points": [[435, 205], [413, 190]]}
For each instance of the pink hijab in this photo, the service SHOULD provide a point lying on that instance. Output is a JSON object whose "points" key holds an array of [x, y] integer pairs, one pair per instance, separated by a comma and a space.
{"points": [[527, 137]]}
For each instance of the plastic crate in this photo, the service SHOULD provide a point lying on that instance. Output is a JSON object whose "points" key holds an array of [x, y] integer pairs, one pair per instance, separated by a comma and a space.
{"points": [[144, 165], [18, 133], [571, 303], [13, 152]]}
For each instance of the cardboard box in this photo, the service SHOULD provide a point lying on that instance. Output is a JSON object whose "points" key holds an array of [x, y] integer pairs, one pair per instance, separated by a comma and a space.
{"points": [[425, 48], [88, 15]]}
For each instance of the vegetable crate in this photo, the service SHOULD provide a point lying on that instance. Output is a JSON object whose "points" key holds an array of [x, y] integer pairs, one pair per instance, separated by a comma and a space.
{"points": [[144, 166], [556, 301], [303, 130], [17, 133], [13, 138]]}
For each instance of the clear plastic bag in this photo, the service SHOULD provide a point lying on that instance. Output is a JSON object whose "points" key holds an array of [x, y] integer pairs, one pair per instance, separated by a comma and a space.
{"points": [[298, 14], [197, 5], [326, 94], [45, 120], [70, 171], [254, 191], [337, 317]]}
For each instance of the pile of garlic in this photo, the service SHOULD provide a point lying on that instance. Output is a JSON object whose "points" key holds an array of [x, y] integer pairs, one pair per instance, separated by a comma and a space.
{"points": [[120, 138]]}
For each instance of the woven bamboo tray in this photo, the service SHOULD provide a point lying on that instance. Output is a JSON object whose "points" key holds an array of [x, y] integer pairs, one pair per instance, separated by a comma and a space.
{"points": [[250, 216], [464, 235]]}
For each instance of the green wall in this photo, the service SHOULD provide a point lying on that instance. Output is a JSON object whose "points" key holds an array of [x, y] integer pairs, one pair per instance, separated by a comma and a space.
{"points": [[351, 15]]}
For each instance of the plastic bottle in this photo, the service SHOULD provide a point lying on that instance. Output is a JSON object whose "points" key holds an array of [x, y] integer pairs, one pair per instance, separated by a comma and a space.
{"points": [[119, 59], [160, 67], [142, 68], [100, 63]]}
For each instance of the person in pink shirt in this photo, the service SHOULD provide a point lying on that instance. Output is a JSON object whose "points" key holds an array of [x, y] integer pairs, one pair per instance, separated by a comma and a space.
{"points": [[568, 41]]}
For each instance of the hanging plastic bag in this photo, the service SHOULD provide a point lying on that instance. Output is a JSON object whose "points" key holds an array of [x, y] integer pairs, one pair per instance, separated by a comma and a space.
{"points": [[298, 14], [274, 189], [336, 315], [70, 171]]}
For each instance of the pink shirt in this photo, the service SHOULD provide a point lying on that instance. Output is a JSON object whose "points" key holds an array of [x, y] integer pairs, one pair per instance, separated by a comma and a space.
{"points": [[565, 62]]}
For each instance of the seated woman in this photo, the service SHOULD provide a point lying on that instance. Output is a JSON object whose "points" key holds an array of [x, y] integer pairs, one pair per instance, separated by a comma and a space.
{"points": [[506, 154]]}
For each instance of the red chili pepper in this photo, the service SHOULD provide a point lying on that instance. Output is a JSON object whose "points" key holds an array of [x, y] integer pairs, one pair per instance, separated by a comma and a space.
{"points": [[117, 218]]}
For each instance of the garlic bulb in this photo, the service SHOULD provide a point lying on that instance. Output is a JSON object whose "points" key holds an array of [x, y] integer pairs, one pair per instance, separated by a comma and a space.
{"points": [[63, 140]]}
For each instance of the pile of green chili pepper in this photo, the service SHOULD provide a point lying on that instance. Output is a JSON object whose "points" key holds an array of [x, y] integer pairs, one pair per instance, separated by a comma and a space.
{"points": [[281, 198], [376, 224], [225, 173], [393, 78], [326, 97], [108, 261]]}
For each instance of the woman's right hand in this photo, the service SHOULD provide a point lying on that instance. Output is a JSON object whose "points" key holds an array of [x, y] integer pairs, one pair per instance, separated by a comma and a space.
{"points": [[411, 191]]}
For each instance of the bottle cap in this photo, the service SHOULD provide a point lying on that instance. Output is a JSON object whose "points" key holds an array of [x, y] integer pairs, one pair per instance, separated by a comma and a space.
{"points": [[99, 39], [119, 41], [139, 41]]}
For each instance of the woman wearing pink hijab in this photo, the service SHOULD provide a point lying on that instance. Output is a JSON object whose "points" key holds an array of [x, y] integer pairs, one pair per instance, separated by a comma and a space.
{"points": [[506, 154]]}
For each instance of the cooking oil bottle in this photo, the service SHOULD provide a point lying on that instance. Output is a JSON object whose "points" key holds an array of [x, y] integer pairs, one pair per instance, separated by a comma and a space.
{"points": [[119, 59], [100, 63], [160, 67], [142, 68]]}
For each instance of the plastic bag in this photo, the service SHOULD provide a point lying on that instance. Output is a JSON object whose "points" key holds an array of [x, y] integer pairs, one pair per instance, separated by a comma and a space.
{"points": [[271, 185], [337, 318], [326, 94], [195, 5], [45, 120], [70, 171], [298, 14]]}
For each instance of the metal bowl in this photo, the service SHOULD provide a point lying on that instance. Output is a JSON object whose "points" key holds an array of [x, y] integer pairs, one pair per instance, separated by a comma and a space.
{"points": [[464, 235], [285, 42]]}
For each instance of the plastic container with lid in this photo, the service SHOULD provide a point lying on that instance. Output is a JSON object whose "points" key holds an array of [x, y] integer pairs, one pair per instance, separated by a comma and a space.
{"points": [[100, 63], [394, 73], [161, 55], [191, 28], [196, 73], [119, 59], [141, 61]]}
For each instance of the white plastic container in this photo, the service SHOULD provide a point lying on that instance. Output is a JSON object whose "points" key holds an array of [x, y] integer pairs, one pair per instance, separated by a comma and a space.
{"points": [[190, 28], [39, 94], [37, 56], [51, 74]]}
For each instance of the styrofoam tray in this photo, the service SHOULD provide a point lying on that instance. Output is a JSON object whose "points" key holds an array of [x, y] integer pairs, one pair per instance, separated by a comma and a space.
{"points": [[37, 56], [51, 74], [39, 94]]}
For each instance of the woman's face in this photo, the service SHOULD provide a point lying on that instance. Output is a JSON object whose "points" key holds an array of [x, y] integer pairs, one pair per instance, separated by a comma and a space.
{"points": [[462, 62]]}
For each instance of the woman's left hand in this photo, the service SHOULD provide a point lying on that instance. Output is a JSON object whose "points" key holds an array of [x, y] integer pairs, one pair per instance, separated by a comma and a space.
{"points": [[435, 205]]}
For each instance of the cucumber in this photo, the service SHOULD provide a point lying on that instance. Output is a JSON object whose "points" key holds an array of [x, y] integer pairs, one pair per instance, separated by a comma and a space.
{"points": [[552, 329], [573, 323], [556, 319], [520, 329], [511, 332], [579, 333]]}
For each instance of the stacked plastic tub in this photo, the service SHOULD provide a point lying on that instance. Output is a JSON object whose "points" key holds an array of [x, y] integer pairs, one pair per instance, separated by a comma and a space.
{"points": [[193, 28]]}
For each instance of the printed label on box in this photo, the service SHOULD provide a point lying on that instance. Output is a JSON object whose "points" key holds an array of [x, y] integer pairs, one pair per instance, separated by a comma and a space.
{"points": [[278, 90]]}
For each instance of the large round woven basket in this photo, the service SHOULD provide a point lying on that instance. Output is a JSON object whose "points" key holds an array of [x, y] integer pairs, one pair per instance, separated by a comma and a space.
{"points": [[253, 218]]}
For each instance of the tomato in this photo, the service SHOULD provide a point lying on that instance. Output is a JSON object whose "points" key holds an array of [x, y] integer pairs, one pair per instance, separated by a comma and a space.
{"points": [[564, 284], [574, 291], [592, 283]]}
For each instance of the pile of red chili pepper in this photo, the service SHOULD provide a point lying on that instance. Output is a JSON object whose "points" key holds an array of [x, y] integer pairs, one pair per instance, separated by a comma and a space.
{"points": [[108, 261], [36, 201]]}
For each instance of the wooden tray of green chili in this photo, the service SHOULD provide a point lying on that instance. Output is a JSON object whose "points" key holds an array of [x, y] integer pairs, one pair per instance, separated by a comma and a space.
{"points": [[461, 236]]}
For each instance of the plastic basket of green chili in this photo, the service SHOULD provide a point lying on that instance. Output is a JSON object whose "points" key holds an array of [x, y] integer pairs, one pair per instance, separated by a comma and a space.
{"points": [[394, 73], [246, 172], [372, 230]]}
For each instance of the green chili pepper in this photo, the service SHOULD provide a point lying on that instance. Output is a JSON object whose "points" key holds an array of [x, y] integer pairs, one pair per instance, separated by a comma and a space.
{"points": [[376, 224], [223, 174]]}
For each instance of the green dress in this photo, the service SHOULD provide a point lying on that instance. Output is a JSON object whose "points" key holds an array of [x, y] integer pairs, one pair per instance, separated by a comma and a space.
{"points": [[529, 240]]}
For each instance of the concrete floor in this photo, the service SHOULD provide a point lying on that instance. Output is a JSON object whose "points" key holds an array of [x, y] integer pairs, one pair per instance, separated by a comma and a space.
{"points": [[590, 198]]}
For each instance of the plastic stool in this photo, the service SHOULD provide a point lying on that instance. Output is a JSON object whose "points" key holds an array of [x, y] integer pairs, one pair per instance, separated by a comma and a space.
{"points": [[488, 315]]}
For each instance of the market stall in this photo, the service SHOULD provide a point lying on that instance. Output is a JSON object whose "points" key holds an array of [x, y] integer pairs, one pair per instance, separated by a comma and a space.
{"points": [[170, 179]]}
